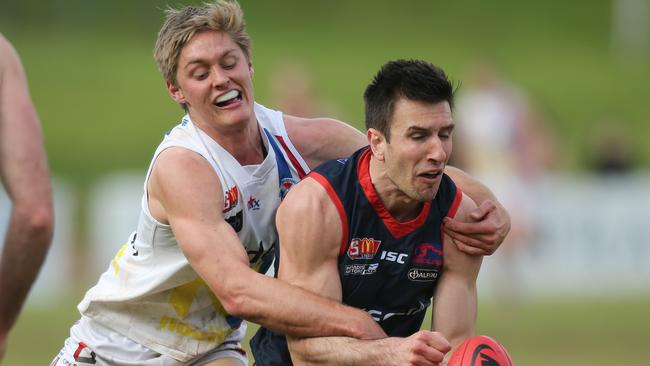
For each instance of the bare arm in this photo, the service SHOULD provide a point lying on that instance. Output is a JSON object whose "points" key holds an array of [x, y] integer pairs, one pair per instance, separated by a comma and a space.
{"points": [[321, 139], [485, 227], [455, 300], [24, 173], [214, 251], [309, 259]]}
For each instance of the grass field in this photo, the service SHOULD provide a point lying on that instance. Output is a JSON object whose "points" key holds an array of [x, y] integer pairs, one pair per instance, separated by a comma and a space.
{"points": [[563, 333]]}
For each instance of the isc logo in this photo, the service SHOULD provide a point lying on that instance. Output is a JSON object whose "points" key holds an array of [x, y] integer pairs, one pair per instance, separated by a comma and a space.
{"points": [[365, 248], [394, 257]]}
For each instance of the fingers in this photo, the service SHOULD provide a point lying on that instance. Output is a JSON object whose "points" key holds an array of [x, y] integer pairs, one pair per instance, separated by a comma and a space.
{"points": [[473, 245], [483, 210], [429, 348], [469, 228], [439, 342], [473, 250], [483, 234]]}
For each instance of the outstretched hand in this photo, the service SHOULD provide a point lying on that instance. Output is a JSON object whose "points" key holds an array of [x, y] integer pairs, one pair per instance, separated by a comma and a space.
{"points": [[488, 226]]}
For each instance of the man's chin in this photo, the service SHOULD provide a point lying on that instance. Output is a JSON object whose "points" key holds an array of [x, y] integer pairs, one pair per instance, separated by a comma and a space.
{"points": [[428, 194]]}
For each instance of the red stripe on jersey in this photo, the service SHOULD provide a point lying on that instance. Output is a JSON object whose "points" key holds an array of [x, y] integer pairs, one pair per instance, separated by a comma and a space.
{"points": [[455, 203], [396, 228], [294, 161], [453, 209], [339, 207], [80, 347]]}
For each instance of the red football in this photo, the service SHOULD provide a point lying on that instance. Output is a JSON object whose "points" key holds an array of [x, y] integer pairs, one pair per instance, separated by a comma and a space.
{"points": [[480, 351]]}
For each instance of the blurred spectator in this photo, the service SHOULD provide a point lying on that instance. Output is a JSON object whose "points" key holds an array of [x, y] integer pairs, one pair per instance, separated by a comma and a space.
{"points": [[504, 142], [292, 92], [611, 150]]}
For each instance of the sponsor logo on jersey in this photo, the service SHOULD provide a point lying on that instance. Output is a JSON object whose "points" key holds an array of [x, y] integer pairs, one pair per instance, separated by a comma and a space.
{"points": [[394, 257], [132, 238], [429, 254], [230, 199], [365, 248], [285, 186], [83, 354], [423, 275], [380, 315], [236, 221], [360, 269], [253, 203], [342, 161]]}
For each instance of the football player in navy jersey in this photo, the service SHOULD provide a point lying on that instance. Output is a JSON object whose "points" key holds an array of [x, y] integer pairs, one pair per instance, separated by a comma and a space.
{"points": [[368, 231]]}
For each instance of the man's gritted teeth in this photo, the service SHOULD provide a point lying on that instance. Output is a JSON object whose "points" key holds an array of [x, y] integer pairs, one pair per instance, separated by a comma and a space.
{"points": [[226, 99]]}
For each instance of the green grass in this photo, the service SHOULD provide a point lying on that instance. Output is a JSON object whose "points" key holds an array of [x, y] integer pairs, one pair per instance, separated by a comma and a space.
{"points": [[571, 333]]}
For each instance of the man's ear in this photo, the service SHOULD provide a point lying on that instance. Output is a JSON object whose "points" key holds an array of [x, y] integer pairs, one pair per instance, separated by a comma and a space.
{"points": [[175, 92], [251, 69], [377, 142]]}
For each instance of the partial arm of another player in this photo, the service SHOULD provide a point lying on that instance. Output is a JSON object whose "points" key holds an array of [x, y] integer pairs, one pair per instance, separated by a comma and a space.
{"points": [[215, 252], [309, 259], [455, 300], [322, 139], [24, 173], [486, 226]]}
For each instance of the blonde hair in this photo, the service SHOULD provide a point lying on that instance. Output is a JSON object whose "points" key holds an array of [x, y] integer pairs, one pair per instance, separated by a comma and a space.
{"points": [[181, 25]]}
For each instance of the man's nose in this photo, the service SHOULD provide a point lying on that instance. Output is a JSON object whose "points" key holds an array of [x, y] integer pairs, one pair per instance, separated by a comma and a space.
{"points": [[220, 78]]}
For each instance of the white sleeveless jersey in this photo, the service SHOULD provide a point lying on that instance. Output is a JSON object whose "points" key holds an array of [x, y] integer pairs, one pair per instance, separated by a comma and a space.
{"points": [[150, 293]]}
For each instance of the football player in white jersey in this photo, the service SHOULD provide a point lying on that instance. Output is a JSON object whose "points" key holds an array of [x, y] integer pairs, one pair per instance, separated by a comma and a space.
{"points": [[175, 294]]}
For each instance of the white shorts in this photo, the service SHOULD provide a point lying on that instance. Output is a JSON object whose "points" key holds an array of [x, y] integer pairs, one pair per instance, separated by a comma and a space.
{"points": [[91, 343]]}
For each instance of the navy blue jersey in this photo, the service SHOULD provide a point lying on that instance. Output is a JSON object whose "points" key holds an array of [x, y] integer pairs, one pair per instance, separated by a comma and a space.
{"points": [[386, 267]]}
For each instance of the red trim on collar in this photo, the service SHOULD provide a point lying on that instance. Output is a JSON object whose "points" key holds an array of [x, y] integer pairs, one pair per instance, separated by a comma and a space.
{"points": [[396, 228], [339, 207]]}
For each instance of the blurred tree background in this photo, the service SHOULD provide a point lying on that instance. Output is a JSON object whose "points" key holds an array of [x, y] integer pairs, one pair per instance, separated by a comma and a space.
{"points": [[104, 107]]}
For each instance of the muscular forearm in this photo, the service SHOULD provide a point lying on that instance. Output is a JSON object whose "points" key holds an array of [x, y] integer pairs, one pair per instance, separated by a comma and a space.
{"points": [[26, 244], [291, 310], [454, 313], [421, 348], [340, 351]]}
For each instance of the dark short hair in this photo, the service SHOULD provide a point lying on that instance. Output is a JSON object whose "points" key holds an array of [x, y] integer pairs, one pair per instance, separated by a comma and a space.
{"points": [[411, 79]]}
